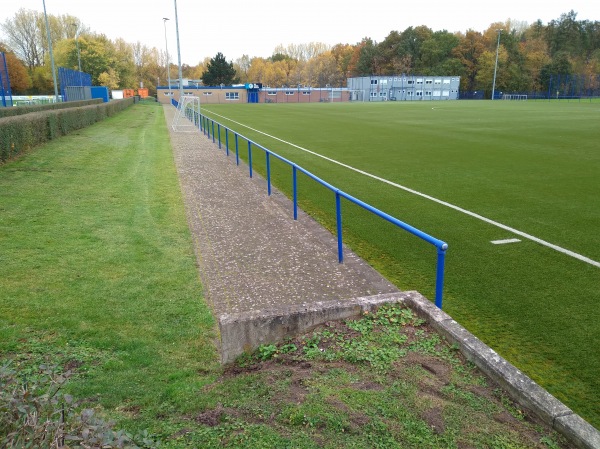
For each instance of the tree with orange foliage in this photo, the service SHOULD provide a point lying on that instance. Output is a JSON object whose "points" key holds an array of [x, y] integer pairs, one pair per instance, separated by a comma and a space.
{"points": [[20, 81]]}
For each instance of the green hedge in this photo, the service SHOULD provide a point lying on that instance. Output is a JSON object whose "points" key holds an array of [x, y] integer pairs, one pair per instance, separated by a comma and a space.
{"points": [[20, 110], [24, 132]]}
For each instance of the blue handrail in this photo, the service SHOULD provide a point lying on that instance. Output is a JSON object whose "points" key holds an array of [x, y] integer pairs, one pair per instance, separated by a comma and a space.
{"points": [[441, 246]]}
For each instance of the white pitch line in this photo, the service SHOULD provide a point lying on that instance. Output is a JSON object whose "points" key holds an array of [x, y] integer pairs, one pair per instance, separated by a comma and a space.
{"points": [[504, 242], [429, 197]]}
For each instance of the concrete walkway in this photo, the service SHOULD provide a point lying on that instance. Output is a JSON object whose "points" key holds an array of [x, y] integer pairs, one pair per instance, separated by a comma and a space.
{"points": [[252, 254]]}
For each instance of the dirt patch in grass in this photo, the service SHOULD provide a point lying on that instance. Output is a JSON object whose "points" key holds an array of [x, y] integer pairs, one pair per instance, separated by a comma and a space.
{"points": [[385, 380]]}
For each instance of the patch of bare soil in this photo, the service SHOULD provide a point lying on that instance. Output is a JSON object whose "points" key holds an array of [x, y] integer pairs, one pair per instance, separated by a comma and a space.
{"points": [[431, 377]]}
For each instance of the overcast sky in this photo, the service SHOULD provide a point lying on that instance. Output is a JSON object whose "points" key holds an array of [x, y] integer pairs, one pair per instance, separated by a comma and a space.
{"points": [[255, 28]]}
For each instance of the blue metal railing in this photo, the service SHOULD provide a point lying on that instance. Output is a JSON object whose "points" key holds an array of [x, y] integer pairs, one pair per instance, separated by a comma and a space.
{"points": [[207, 126]]}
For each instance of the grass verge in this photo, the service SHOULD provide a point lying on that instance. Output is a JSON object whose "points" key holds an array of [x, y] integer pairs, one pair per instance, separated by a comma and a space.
{"points": [[97, 269]]}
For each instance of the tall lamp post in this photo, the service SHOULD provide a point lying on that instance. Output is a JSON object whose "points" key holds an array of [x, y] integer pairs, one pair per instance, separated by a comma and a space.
{"points": [[78, 51], [167, 50], [496, 65], [178, 54], [51, 53], [77, 30]]}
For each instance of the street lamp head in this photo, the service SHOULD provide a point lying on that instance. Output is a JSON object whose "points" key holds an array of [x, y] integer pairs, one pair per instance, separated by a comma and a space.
{"points": [[165, 18]]}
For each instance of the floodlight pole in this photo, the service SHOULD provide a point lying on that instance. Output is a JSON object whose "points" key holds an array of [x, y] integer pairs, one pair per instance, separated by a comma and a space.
{"points": [[78, 54], [51, 53], [178, 54], [167, 50], [496, 64]]}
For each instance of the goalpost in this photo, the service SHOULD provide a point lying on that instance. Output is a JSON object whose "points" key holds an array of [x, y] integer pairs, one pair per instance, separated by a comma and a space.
{"points": [[188, 112], [356, 95], [514, 97]]}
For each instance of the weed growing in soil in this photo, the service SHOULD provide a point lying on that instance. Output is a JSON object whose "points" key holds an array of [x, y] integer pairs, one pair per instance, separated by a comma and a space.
{"points": [[383, 380]]}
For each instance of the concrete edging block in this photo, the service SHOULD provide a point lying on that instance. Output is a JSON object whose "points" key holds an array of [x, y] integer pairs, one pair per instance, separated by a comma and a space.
{"points": [[519, 386], [244, 332], [578, 431]]}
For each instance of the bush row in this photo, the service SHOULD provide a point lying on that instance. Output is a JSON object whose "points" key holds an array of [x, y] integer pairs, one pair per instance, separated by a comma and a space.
{"points": [[24, 132], [21, 110]]}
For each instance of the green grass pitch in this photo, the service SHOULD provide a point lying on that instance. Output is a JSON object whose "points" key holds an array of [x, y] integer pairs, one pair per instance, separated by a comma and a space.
{"points": [[533, 166]]}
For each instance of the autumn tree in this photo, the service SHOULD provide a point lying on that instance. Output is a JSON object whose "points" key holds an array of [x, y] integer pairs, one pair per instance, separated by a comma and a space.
{"points": [[535, 51], [242, 65], [342, 53], [321, 71], [41, 80], [20, 80], [23, 36], [121, 56], [528, 56], [302, 52], [468, 51], [365, 58], [143, 65], [109, 78]]}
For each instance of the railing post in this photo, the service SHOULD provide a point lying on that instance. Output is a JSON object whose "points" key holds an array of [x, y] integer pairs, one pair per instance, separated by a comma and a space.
{"points": [[268, 173], [208, 128], [213, 130], [338, 214], [219, 131], [237, 150], [439, 281], [295, 190], [250, 157], [227, 141]]}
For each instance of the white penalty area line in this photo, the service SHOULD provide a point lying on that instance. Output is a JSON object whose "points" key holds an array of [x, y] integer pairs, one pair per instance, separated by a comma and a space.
{"points": [[429, 197]]}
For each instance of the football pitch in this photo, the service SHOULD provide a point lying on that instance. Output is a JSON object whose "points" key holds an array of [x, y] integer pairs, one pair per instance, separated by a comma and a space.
{"points": [[512, 187]]}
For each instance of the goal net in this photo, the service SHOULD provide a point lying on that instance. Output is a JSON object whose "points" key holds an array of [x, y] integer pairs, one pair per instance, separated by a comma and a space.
{"points": [[187, 115], [514, 97]]}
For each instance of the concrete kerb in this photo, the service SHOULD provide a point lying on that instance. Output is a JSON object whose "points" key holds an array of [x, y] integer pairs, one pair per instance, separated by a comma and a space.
{"points": [[520, 387], [244, 332]]}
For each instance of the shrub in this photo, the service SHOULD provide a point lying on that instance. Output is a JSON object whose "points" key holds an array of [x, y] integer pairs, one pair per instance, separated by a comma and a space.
{"points": [[21, 110], [34, 412], [24, 132]]}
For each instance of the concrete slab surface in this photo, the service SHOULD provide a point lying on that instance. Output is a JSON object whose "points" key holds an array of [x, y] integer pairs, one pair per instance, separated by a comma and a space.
{"points": [[252, 254]]}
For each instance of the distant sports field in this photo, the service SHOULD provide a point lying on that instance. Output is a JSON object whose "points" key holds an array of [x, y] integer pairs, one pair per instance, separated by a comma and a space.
{"points": [[478, 172]]}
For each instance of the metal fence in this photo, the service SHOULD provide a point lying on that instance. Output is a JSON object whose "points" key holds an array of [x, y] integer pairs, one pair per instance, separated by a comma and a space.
{"points": [[74, 85], [213, 130], [559, 87], [5, 92], [574, 86]]}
